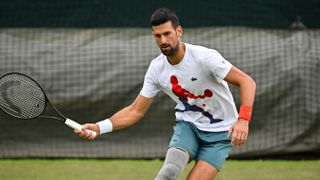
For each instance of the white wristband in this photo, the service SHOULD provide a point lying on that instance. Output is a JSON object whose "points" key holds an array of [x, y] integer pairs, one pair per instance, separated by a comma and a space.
{"points": [[105, 126]]}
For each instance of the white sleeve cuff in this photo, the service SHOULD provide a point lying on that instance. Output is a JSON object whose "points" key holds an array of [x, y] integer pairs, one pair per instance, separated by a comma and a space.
{"points": [[105, 126]]}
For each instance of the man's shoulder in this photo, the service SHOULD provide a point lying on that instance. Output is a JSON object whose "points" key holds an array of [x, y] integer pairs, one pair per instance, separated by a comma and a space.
{"points": [[199, 50], [157, 60], [157, 63]]}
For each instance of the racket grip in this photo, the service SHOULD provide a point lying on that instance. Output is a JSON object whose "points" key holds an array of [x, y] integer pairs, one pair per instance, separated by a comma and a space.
{"points": [[77, 126]]}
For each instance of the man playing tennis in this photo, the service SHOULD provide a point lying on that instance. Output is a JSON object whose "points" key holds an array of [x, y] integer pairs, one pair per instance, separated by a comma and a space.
{"points": [[196, 78]]}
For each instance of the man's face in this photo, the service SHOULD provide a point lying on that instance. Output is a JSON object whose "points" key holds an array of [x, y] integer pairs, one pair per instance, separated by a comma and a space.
{"points": [[167, 38]]}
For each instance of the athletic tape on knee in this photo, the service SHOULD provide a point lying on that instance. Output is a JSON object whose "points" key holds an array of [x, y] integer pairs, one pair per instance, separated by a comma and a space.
{"points": [[175, 161]]}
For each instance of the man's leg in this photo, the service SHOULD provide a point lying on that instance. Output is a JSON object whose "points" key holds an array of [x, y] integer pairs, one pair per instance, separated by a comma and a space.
{"points": [[175, 161], [202, 170], [211, 156]]}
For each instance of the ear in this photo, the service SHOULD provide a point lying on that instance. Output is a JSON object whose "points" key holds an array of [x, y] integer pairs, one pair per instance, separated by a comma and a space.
{"points": [[179, 31]]}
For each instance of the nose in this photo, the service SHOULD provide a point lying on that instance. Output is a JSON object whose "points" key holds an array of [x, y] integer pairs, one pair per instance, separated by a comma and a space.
{"points": [[163, 40]]}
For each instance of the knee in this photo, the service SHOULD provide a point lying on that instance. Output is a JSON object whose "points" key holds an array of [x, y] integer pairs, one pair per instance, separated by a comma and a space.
{"points": [[169, 172], [175, 161]]}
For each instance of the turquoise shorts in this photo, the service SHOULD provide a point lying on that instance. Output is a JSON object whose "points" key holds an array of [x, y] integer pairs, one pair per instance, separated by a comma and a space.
{"points": [[211, 147]]}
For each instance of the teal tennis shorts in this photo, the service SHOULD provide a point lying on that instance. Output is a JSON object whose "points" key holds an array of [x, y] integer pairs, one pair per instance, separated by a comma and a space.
{"points": [[211, 147]]}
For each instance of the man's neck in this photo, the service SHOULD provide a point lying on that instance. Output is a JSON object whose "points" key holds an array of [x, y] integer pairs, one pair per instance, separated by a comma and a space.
{"points": [[177, 58]]}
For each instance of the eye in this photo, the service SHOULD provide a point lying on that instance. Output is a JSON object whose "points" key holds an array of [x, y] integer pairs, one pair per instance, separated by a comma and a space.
{"points": [[166, 33], [157, 35]]}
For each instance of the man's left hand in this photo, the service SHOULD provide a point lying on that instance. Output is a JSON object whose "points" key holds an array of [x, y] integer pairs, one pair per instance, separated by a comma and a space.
{"points": [[239, 132]]}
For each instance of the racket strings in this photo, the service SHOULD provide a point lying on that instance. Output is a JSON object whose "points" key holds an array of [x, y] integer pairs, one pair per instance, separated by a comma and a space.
{"points": [[21, 97]]}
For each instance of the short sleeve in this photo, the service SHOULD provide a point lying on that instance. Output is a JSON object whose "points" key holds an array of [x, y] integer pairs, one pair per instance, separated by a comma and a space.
{"points": [[150, 86], [215, 65]]}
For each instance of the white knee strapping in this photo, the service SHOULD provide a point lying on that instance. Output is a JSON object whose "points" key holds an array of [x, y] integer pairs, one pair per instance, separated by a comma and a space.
{"points": [[176, 160]]}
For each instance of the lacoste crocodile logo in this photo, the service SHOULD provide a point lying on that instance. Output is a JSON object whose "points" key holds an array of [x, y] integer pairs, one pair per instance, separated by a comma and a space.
{"points": [[194, 78]]}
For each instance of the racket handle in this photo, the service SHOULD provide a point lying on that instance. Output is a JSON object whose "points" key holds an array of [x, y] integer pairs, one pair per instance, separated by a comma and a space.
{"points": [[77, 126]]}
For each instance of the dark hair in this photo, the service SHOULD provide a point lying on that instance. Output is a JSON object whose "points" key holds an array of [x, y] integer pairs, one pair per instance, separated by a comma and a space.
{"points": [[163, 15]]}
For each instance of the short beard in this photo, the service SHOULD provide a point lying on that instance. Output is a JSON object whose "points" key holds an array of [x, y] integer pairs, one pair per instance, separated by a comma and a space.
{"points": [[172, 51]]}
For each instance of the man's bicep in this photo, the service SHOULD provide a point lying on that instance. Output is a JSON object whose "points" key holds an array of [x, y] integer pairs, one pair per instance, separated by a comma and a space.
{"points": [[235, 76]]}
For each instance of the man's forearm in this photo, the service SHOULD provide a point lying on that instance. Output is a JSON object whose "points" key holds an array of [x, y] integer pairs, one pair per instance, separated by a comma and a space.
{"points": [[247, 92], [125, 118]]}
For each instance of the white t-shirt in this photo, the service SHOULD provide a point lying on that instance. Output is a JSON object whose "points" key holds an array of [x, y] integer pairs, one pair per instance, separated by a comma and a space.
{"points": [[196, 84]]}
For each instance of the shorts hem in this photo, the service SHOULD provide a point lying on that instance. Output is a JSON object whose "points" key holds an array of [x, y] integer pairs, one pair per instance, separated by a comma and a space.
{"points": [[212, 164]]}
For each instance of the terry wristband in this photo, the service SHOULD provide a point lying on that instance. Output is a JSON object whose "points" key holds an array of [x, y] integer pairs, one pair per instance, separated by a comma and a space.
{"points": [[105, 126], [245, 113]]}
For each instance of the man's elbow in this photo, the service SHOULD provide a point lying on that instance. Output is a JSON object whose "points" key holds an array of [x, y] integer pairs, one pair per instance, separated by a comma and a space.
{"points": [[247, 81], [252, 83], [139, 115]]}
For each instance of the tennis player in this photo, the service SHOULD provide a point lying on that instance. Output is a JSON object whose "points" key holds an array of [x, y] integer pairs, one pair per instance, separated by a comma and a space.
{"points": [[196, 78]]}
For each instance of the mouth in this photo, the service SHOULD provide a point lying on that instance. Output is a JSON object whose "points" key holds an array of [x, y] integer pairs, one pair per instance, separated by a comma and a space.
{"points": [[165, 48]]}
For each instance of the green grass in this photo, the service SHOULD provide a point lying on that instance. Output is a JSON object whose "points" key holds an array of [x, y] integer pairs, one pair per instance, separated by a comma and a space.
{"points": [[147, 169]]}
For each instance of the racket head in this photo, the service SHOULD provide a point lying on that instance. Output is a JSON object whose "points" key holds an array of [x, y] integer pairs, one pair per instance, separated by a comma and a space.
{"points": [[21, 96]]}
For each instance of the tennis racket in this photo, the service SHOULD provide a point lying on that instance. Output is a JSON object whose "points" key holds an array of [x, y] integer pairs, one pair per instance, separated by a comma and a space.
{"points": [[23, 98]]}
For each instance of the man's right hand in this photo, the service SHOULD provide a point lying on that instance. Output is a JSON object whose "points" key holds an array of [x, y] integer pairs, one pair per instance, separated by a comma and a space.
{"points": [[88, 135]]}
